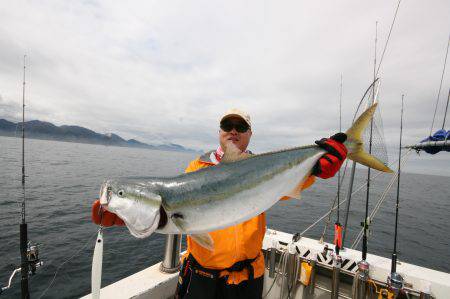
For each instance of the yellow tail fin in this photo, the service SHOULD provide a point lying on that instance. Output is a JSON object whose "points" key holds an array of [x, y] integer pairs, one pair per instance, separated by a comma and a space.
{"points": [[355, 145]]}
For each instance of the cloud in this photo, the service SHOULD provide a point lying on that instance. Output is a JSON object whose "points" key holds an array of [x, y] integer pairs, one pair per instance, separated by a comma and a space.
{"points": [[166, 70]]}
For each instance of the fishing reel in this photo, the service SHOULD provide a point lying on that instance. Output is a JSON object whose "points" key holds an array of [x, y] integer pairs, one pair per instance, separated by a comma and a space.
{"points": [[33, 263], [33, 257]]}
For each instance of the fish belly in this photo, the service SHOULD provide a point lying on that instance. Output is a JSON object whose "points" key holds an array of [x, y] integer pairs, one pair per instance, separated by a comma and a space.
{"points": [[245, 204]]}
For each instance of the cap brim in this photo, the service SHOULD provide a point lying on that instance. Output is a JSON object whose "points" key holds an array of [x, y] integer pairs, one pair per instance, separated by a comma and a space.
{"points": [[234, 115]]}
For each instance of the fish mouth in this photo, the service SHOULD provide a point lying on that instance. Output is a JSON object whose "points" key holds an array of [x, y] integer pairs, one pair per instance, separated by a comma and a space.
{"points": [[105, 194]]}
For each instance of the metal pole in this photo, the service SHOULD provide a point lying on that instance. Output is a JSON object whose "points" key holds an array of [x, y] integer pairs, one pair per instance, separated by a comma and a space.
{"points": [[171, 262]]}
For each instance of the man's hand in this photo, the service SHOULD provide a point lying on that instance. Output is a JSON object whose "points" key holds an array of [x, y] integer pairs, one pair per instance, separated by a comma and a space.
{"points": [[107, 218], [329, 164]]}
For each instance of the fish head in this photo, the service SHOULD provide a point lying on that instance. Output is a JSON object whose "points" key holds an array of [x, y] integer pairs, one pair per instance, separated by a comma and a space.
{"points": [[136, 204]]}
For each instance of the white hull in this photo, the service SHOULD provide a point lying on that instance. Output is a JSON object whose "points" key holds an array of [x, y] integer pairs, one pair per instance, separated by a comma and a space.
{"points": [[151, 283]]}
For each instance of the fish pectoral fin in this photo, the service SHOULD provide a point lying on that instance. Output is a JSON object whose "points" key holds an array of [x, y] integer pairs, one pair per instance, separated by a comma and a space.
{"points": [[291, 196], [233, 154], [297, 191], [204, 240]]}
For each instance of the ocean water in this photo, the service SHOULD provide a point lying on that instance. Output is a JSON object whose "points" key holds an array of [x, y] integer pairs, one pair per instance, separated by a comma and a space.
{"points": [[64, 178]]}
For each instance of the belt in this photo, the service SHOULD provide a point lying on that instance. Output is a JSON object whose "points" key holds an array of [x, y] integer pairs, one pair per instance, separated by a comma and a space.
{"points": [[215, 273]]}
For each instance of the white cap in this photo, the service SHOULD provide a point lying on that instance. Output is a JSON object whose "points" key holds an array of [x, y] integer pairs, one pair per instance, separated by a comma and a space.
{"points": [[237, 113]]}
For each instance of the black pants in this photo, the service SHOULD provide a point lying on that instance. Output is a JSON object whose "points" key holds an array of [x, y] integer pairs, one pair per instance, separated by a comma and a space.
{"points": [[192, 285]]}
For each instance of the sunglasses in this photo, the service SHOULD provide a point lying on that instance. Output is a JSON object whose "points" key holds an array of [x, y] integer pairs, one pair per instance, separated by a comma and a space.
{"points": [[228, 126]]}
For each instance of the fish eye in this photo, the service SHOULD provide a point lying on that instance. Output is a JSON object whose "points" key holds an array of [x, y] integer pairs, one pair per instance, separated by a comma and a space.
{"points": [[120, 193]]}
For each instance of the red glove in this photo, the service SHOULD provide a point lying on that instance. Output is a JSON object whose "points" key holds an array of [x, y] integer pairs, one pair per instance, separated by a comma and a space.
{"points": [[107, 218], [329, 164]]}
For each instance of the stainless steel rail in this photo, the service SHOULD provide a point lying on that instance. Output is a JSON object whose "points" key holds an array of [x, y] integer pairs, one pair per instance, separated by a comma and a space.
{"points": [[171, 261]]}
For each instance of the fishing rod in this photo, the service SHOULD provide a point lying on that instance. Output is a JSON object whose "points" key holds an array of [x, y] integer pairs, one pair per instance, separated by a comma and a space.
{"points": [[337, 260], [333, 205], [366, 222], [29, 254], [24, 264], [337, 225], [395, 280], [353, 171], [362, 277]]}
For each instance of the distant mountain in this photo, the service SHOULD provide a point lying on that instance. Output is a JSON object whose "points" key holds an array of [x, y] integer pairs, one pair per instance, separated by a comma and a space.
{"points": [[44, 130]]}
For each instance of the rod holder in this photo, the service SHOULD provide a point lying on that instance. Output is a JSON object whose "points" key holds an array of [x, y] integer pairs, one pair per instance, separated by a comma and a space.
{"points": [[360, 280], [395, 283], [272, 257], [312, 285], [291, 271], [336, 274], [171, 261], [425, 296]]}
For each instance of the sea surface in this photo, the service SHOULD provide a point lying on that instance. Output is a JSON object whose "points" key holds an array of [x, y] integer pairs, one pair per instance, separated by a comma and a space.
{"points": [[63, 179]]}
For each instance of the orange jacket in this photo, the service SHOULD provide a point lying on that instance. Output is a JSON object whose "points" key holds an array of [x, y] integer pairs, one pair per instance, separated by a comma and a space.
{"points": [[235, 243]]}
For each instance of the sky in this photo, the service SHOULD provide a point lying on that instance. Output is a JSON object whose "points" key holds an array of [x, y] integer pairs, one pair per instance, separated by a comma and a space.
{"points": [[165, 71]]}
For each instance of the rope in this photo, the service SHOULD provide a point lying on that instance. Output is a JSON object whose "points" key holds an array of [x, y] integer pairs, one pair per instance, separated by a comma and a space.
{"points": [[440, 86], [380, 201]]}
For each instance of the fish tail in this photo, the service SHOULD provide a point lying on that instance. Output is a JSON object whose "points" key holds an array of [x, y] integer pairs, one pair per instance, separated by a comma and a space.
{"points": [[355, 146]]}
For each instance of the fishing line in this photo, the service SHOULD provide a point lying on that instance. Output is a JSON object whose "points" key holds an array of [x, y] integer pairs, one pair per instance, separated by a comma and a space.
{"points": [[389, 36], [66, 261], [376, 74], [333, 205], [446, 107], [380, 201], [440, 86], [353, 193]]}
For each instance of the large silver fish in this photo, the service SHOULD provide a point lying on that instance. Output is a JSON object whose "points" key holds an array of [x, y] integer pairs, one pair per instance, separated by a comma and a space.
{"points": [[239, 188]]}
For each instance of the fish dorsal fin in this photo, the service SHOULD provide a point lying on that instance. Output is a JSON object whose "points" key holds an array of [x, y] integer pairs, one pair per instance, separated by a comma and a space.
{"points": [[233, 154]]}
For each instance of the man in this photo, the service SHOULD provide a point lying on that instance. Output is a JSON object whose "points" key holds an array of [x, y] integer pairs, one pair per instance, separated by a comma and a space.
{"points": [[235, 268]]}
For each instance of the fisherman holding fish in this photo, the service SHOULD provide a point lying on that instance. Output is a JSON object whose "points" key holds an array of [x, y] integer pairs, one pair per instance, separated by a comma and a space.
{"points": [[234, 266]]}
